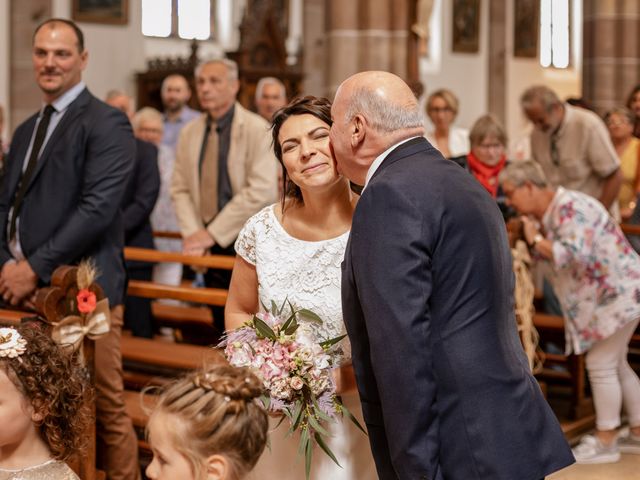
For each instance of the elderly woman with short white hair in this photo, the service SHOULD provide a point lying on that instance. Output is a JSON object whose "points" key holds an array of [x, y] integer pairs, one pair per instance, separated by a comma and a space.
{"points": [[596, 275]]}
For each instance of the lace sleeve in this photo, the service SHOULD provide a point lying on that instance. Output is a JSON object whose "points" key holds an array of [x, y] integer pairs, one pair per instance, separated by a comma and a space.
{"points": [[246, 243]]}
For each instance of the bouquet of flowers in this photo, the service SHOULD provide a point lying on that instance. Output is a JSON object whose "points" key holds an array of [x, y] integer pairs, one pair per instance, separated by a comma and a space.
{"points": [[296, 370]]}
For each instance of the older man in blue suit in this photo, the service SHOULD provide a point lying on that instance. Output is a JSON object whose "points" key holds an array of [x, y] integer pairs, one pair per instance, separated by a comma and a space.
{"points": [[428, 303], [60, 200]]}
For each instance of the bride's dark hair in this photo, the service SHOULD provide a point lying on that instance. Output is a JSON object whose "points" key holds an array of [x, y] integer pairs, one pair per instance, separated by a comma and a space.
{"points": [[318, 107]]}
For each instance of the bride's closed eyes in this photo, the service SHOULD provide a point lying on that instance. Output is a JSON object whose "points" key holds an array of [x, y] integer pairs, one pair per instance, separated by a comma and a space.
{"points": [[319, 133]]}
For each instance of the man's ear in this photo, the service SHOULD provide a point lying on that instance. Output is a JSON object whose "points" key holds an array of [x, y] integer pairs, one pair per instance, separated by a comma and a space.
{"points": [[358, 131], [218, 468]]}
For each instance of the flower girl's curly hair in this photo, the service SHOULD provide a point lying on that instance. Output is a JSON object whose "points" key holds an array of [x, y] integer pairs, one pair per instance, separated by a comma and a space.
{"points": [[216, 410], [52, 381]]}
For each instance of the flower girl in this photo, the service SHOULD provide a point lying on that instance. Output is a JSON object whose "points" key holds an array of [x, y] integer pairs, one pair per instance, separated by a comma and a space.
{"points": [[42, 408], [209, 425]]}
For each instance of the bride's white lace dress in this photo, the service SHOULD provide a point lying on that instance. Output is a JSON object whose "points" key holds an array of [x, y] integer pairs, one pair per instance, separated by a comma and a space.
{"points": [[308, 275]]}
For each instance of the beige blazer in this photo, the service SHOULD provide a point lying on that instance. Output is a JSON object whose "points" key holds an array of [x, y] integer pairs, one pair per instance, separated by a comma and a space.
{"points": [[252, 169]]}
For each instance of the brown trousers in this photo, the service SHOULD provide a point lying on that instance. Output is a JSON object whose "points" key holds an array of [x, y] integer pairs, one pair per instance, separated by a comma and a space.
{"points": [[118, 445]]}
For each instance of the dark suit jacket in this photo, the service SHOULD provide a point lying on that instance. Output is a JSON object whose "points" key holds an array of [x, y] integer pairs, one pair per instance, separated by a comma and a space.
{"points": [[71, 209], [428, 304], [140, 198]]}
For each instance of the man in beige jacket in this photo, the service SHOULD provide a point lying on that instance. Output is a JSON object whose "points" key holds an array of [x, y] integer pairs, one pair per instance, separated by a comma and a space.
{"points": [[225, 170]]}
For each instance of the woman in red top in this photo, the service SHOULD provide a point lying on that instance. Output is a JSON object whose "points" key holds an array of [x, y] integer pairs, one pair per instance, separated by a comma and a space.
{"points": [[488, 157]]}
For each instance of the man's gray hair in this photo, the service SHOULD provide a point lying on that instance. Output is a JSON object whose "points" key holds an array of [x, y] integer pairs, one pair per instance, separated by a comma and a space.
{"points": [[539, 94], [382, 115], [270, 81], [147, 114], [519, 172], [232, 67], [115, 93]]}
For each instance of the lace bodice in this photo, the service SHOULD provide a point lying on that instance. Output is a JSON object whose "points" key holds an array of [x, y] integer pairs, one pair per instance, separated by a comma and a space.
{"points": [[51, 470], [306, 273]]}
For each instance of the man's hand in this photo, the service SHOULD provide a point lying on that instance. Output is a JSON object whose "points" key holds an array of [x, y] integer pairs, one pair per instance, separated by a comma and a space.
{"points": [[17, 281], [197, 243]]}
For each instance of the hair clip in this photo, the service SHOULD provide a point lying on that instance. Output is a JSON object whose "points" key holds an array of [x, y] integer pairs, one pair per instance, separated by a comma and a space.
{"points": [[12, 344], [227, 398]]}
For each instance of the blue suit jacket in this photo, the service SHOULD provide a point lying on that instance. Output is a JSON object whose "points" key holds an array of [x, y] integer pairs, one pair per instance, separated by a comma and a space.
{"points": [[428, 304], [139, 199], [71, 209]]}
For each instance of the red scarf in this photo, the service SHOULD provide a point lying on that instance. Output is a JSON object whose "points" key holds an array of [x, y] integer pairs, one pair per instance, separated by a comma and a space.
{"points": [[486, 174]]}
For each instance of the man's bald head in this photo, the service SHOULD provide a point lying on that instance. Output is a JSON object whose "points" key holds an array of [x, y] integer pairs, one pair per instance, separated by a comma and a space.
{"points": [[371, 112], [383, 98]]}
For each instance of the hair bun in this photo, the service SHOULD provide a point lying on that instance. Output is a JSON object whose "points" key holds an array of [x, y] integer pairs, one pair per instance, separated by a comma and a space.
{"points": [[233, 382]]}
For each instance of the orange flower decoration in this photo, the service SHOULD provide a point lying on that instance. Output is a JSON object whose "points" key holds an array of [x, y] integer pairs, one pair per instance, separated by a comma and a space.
{"points": [[86, 301]]}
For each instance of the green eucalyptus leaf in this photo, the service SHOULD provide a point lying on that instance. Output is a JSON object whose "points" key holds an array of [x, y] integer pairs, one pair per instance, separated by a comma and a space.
{"points": [[264, 329], [316, 426], [308, 453], [331, 342], [304, 438], [309, 315], [287, 323], [291, 329], [351, 417], [326, 448], [282, 306], [297, 417], [274, 308]]}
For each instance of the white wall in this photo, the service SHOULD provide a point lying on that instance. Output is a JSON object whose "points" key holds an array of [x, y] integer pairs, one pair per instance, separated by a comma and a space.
{"points": [[4, 65]]}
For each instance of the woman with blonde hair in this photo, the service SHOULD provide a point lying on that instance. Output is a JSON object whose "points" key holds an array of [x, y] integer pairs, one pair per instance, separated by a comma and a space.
{"points": [[442, 109]]}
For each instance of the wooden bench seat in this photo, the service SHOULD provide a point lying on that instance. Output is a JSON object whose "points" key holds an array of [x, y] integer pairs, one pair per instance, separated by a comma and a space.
{"points": [[209, 296], [167, 356], [13, 317], [178, 314]]}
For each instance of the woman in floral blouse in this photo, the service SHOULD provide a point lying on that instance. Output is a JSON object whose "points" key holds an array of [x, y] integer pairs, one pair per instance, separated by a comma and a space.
{"points": [[597, 279]]}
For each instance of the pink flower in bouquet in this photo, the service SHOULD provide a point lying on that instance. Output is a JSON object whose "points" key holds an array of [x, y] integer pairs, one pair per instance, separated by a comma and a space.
{"points": [[86, 301], [295, 367], [296, 383]]}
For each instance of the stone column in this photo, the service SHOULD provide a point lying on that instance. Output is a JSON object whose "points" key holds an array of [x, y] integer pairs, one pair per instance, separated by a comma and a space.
{"points": [[363, 36], [25, 96], [611, 52]]}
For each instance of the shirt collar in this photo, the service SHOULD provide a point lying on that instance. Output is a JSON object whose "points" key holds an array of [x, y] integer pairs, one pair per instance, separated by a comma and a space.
{"points": [[380, 158], [63, 101], [182, 117], [225, 120]]}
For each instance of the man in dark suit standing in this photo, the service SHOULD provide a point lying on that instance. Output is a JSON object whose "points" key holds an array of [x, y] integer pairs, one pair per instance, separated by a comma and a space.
{"points": [[60, 202], [427, 294]]}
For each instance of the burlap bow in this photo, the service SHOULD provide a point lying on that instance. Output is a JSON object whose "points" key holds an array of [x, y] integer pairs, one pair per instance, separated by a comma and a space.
{"points": [[71, 330]]}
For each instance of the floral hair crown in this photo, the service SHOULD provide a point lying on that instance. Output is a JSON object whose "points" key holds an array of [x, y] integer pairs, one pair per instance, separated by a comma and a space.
{"points": [[12, 344]]}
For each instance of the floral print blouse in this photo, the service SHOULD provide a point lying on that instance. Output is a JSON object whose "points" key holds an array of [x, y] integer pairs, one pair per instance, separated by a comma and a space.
{"points": [[597, 273]]}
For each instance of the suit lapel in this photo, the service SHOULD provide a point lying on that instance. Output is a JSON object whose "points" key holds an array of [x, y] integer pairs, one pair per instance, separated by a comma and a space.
{"points": [[76, 108]]}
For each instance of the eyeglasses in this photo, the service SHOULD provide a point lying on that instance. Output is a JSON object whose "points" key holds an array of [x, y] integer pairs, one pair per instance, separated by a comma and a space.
{"points": [[490, 146], [439, 109]]}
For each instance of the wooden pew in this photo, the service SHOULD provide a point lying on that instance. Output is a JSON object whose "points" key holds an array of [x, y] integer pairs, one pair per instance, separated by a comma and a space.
{"points": [[552, 327]]}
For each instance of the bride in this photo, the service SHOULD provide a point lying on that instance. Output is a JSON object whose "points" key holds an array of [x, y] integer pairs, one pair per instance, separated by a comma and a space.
{"points": [[293, 250]]}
